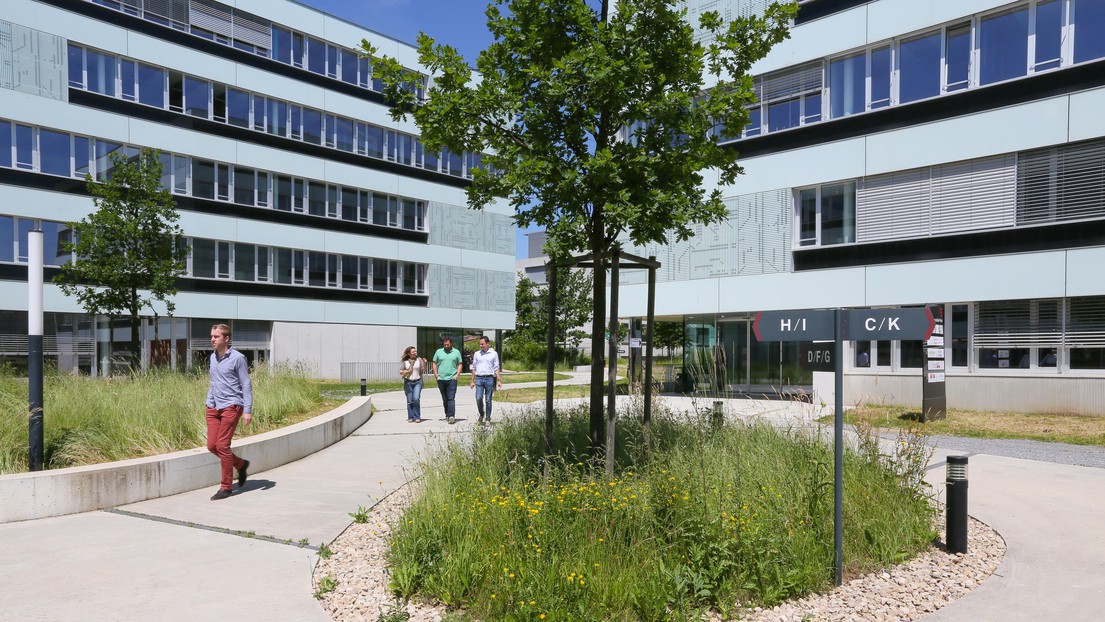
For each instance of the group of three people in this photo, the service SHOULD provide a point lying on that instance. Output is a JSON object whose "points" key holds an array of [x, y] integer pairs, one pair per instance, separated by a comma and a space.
{"points": [[447, 365]]}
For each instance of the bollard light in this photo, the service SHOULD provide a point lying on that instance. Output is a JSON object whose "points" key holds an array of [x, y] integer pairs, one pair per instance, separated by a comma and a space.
{"points": [[956, 525], [364, 387]]}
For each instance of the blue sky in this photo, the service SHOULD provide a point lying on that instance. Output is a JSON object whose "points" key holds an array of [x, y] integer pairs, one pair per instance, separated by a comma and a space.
{"points": [[459, 23]]}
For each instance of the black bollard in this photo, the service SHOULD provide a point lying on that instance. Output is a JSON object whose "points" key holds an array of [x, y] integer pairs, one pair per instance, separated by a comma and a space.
{"points": [[956, 526], [364, 387], [717, 415]]}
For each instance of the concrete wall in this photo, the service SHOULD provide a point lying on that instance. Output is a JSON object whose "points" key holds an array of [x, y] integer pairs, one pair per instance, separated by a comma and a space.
{"points": [[27, 496], [1050, 393], [321, 348]]}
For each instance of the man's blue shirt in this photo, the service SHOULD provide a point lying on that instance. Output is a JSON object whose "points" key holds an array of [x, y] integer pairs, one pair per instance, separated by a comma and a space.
{"points": [[230, 385]]}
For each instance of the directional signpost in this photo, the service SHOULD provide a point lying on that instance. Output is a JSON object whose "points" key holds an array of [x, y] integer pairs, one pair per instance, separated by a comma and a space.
{"points": [[840, 325]]}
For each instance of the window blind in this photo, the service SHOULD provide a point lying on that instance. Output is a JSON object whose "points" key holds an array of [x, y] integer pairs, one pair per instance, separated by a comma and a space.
{"points": [[1086, 322], [973, 195], [1018, 324], [789, 83], [1061, 183], [892, 206], [211, 16]]}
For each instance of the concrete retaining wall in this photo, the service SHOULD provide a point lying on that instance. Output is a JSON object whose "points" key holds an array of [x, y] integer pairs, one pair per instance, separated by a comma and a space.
{"points": [[27, 496]]}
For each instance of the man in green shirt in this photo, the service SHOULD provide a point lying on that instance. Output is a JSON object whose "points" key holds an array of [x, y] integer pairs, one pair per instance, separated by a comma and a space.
{"points": [[447, 364]]}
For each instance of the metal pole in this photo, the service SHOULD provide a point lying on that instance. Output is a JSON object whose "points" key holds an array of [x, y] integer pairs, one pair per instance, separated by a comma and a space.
{"points": [[649, 332], [550, 361], [838, 451], [611, 400], [956, 519], [34, 350]]}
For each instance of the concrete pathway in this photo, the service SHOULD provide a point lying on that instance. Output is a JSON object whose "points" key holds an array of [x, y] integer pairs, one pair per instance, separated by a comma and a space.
{"points": [[187, 558]]}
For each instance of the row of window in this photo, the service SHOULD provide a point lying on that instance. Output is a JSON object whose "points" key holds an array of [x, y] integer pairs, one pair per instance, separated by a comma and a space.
{"points": [[1042, 335], [127, 79], [216, 259], [230, 26], [70, 155], [1055, 184], [980, 50]]}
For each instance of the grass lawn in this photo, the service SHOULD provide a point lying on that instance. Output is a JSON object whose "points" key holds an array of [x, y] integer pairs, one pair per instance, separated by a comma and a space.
{"points": [[530, 376], [1061, 428]]}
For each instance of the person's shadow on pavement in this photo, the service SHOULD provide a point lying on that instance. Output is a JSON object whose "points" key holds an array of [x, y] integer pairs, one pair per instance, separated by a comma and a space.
{"points": [[255, 484]]}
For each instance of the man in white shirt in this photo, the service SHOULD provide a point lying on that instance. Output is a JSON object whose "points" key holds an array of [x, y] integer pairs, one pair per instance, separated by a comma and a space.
{"points": [[485, 378]]}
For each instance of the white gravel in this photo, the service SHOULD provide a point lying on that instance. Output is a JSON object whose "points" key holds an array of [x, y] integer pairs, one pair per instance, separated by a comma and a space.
{"points": [[906, 592]]}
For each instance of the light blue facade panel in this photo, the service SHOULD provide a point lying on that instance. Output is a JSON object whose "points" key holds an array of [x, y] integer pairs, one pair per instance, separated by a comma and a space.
{"points": [[818, 39], [971, 136], [35, 110], [894, 18], [835, 161], [290, 14], [276, 85], [164, 54], [1087, 114], [1086, 272], [1002, 277], [352, 313], [59, 206], [804, 290], [178, 140], [278, 160], [64, 23]]}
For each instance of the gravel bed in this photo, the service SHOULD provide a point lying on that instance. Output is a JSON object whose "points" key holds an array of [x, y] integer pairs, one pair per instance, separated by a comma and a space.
{"points": [[905, 592]]}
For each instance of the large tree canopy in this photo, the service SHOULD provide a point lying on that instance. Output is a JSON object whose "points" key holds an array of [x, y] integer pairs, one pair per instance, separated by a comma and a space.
{"points": [[594, 127]]}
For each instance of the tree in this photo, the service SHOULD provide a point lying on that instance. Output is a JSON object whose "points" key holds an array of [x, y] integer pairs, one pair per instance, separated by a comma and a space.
{"points": [[594, 128], [669, 335], [573, 309], [126, 254]]}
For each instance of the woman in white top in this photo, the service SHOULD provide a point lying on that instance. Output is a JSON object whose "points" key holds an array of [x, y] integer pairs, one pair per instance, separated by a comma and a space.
{"points": [[411, 368]]}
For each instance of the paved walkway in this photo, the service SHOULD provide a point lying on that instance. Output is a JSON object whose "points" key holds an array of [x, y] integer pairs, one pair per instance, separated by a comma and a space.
{"points": [[187, 558]]}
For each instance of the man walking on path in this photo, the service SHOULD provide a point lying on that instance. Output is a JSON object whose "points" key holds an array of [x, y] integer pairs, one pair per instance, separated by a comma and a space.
{"points": [[229, 398], [447, 364], [485, 377]]}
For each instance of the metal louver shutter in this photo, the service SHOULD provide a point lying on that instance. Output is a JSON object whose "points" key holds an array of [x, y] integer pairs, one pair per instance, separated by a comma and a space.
{"points": [[1061, 183], [174, 10], [1086, 322], [211, 16], [893, 206], [792, 82], [974, 195], [1011, 324], [253, 334], [252, 29]]}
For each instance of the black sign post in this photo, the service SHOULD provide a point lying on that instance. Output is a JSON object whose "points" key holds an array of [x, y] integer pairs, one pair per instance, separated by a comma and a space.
{"points": [[841, 325], [934, 395]]}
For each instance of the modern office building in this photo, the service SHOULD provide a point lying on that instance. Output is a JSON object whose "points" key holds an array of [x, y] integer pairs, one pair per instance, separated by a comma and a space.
{"points": [[318, 227], [907, 153]]}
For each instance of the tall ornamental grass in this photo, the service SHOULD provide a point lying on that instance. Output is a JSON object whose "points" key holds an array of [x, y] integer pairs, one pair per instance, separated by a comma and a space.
{"points": [[710, 519], [94, 420]]}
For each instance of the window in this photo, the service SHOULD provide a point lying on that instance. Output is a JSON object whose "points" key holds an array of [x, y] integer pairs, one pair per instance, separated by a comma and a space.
{"points": [[237, 108], [197, 97], [919, 68], [76, 66], [288, 266], [1088, 17], [316, 56], [344, 140], [151, 86], [203, 258], [203, 179], [127, 79], [847, 85], [245, 186], [316, 269], [7, 239], [54, 153], [180, 174], [245, 262], [827, 215], [1085, 333], [100, 72], [276, 121], [881, 68], [1003, 46], [316, 198], [176, 91], [312, 126], [1009, 334], [349, 204], [959, 336], [348, 66], [331, 61], [958, 57], [349, 275], [282, 44], [1047, 40]]}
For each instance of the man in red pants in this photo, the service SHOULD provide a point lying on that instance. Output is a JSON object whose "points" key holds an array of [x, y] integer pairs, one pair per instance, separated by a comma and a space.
{"points": [[229, 398]]}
